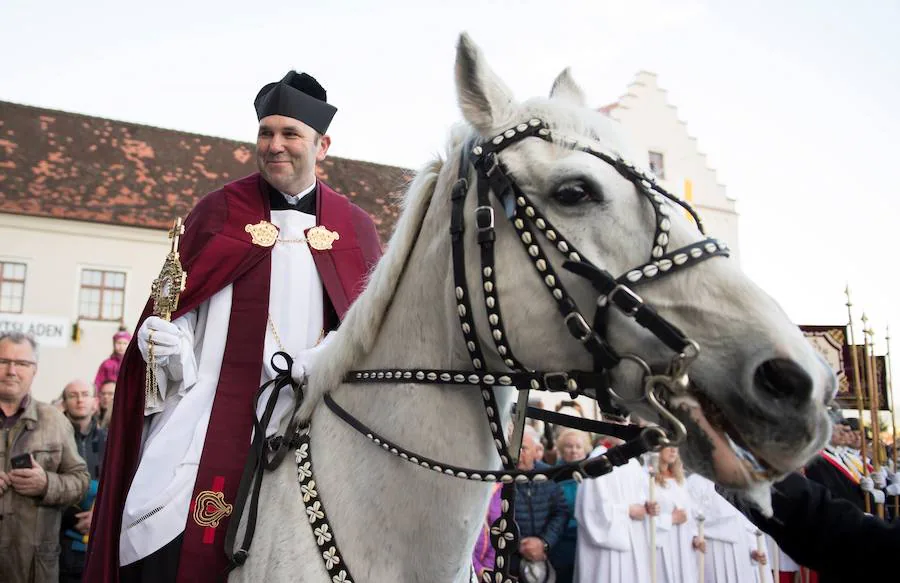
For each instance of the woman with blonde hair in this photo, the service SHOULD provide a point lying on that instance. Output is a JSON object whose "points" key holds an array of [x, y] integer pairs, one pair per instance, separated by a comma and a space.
{"points": [[571, 445], [676, 530]]}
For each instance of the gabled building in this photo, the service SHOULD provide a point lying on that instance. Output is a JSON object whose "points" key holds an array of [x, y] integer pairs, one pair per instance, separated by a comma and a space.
{"points": [[653, 126]]}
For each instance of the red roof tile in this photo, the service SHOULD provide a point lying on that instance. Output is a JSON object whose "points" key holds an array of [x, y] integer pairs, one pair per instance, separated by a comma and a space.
{"points": [[73, 166]]}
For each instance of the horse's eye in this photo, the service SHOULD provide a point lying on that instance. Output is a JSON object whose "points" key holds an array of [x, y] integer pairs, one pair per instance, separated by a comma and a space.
{"points": [[572, 192]]}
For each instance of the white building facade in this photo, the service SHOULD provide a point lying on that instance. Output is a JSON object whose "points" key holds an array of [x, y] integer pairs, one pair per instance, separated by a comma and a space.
{"points": [[653, 126]]}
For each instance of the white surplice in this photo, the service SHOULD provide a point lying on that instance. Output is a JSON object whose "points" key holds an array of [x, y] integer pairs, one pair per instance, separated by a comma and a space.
{"points": [[677, 559], [158, 500], [729, 536], [611, 547]]}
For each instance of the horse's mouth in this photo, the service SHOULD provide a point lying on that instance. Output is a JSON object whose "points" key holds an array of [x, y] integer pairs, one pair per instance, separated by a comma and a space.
{"points": [[735, 462]]}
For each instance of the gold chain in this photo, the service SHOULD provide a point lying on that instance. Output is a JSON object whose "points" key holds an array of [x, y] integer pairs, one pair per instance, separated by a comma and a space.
{"points": [[300, 240], [278, 338], [275, 334], [151, 386]]}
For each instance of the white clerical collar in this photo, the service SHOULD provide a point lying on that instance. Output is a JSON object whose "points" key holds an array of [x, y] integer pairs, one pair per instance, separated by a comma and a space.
{"points": [[294, 199]]}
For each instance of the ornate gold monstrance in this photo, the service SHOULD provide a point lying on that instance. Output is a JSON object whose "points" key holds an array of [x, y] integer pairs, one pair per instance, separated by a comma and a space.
{"points": [[165, 291]]}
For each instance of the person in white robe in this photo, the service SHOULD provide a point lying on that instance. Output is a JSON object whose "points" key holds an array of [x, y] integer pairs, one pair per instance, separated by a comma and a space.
{"points": [[611, 511], [676, 529], [730, 538]]}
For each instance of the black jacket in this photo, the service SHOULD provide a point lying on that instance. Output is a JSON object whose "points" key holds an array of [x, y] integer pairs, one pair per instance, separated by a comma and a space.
{"points": [[91, 447], [820, 470], [829, 535]]}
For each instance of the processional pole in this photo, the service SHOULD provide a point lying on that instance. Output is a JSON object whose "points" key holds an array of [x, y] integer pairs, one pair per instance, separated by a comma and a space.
{"points": [[776, 561], [857, 386], [702, 571], [890, 392], [652, 499], [761, 549], [871, 361]]}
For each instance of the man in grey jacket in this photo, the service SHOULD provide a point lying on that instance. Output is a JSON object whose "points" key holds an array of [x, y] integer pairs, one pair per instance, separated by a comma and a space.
{"points": [[41, 472]]}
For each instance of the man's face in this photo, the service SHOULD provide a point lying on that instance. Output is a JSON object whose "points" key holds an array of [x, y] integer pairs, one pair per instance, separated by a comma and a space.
{"points": [[107, 393], [78, 400], [287, 151], [528, 453], [17, 370]]}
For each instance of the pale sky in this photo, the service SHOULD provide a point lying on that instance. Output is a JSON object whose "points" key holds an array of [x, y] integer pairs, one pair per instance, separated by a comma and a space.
{"points": [[795, 102]]}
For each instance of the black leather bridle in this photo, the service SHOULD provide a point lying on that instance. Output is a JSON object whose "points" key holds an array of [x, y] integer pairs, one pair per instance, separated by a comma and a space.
{"points": [[491, 176]]}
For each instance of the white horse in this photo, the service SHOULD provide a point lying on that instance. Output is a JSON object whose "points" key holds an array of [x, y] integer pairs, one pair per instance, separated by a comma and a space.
{"points": [[756, 376]]}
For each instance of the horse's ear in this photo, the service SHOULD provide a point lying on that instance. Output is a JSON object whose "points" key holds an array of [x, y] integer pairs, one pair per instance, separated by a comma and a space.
{"points": [[486, 102], [565, 88]]}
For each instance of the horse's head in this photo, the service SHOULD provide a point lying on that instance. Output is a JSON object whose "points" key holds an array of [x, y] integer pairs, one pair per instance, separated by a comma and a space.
{"points": [[755, 403]]}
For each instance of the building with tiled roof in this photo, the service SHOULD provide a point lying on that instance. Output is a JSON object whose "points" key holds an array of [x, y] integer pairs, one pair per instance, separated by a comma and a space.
{"points": [[85, 203], [78, 167]]}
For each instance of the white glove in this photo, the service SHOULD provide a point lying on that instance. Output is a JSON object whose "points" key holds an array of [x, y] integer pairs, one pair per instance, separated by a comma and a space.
{"points": [[878, 496], [879, 479], [166, 338], [866, 484], [305, 360], [893, 489]]}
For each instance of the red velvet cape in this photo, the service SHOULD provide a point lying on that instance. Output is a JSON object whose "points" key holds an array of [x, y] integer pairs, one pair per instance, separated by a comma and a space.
{"points": [[215, 252]]}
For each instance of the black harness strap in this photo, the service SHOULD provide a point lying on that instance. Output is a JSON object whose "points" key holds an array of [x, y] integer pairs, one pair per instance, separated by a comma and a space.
{"points": [[646, 439], [257, 460], [626, 432]]}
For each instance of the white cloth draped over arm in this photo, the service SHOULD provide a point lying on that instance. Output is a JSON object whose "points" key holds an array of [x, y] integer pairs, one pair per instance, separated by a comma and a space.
{"points": [[177, 373]]}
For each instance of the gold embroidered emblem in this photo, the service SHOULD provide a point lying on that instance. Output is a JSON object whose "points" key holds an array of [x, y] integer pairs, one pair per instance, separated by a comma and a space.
{"points": [[210, 508], [262, 233], [320, 238]]}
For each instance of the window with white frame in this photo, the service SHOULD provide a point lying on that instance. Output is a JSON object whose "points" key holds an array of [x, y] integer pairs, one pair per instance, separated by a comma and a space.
{"points": [[102, 295], [12, 286], [656, 164]]}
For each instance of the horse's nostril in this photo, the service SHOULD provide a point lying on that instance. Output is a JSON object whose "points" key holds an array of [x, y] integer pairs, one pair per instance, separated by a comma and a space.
{"points": [[783, 378]]}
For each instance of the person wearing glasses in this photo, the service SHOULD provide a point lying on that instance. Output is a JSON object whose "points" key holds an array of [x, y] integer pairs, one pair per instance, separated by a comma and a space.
{"points": [[41, 472]]}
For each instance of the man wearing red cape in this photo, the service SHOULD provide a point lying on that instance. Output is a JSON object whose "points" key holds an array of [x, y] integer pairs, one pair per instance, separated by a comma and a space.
{"points": [[273, 261]]}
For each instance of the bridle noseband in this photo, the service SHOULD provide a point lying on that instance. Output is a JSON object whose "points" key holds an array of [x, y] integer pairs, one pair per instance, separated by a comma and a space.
{"points": [[491, 176]]}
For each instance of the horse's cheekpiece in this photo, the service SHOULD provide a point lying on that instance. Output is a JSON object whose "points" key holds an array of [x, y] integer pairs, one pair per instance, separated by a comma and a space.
{"points": [[262, 233], [320, 238]]}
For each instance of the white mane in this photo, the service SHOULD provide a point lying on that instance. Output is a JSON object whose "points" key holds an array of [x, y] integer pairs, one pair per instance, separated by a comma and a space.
{"points": [[361, 325]]}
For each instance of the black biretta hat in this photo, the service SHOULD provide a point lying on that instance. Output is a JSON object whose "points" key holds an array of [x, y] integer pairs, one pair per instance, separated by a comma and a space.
{"points": [[298, 96]]}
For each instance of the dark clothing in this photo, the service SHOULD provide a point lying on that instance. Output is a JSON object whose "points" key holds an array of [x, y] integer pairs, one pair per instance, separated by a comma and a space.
{"points": [[562, 555], [541, 511], [824, 472], [91, 446], [9, 422], [159, 566], [827, 534]]}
